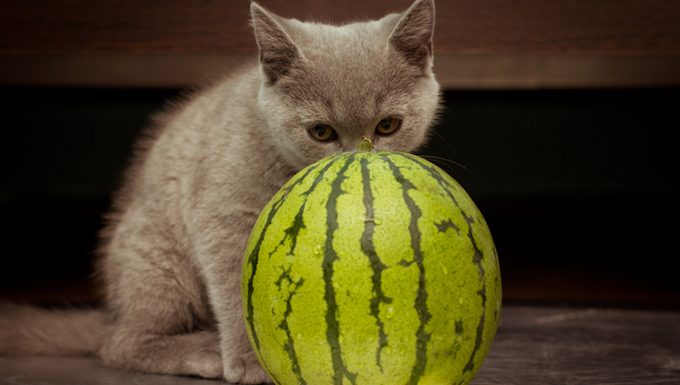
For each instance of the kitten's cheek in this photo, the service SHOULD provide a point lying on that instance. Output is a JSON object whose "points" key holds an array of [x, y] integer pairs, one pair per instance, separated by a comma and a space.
{"points": [[390, 144], [380, 144], [330, 151], [337, 147]]}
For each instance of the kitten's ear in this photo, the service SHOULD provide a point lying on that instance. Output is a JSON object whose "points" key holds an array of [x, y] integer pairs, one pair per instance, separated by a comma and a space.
{"points": [[278, 53], [412, 36]]}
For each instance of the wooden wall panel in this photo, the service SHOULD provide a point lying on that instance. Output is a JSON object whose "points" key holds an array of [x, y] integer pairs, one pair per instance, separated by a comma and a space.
{"points": [[602, 27], [525, 33]]}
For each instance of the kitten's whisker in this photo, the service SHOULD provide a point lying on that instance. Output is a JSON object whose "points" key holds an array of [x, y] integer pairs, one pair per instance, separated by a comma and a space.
{"points": [[452, 162], [446, 142]]}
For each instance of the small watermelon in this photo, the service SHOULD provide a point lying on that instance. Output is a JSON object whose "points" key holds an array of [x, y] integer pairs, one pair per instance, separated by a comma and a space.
{"points": [[371, 268]]}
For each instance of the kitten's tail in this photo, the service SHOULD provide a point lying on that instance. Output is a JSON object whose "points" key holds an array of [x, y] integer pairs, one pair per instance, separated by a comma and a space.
{"points": [[32, 330]]}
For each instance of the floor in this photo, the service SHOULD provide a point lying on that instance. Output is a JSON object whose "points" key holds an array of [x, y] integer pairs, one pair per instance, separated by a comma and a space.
{"points": [[534, 346]]}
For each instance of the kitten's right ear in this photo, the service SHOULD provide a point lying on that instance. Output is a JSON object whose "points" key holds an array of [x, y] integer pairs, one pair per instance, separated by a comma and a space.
{"points": [[278, 52], [412, 36]]}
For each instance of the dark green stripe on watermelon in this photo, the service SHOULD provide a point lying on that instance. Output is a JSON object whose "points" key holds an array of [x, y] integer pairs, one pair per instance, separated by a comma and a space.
{"points": [[376, 263], [477, 260], [422, 337], [289, 345], [255, 254], [476, 257], [434, 173], [292, 233], [340, 371], [298, 224]]}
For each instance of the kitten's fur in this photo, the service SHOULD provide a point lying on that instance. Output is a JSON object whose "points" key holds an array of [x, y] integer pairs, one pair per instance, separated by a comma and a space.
{"points": [[172, 252]]}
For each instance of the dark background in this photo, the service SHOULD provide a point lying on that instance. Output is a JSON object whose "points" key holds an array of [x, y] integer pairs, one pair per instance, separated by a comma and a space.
{"points": [[562, 114], [579, 186]]}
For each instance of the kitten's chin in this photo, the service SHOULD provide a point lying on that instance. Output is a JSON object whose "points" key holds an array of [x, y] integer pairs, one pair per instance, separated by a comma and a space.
{"points": [[298, 159], [294, 157], [295, 162]]}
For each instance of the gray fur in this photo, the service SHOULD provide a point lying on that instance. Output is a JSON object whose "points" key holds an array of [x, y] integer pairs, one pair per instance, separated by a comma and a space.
{"points": [[30, 330], [171, 253]]}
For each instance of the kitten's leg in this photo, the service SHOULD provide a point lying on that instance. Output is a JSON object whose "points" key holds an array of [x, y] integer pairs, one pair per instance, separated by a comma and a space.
{"points": [[195, 354], [158, 303], [221, 259]]}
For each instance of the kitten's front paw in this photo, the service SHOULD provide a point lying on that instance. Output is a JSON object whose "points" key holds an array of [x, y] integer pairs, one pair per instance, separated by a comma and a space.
{"points": [[245, 370]]}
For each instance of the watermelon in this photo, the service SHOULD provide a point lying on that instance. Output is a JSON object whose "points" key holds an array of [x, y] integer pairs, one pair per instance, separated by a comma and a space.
{"points": [[371, 268]]}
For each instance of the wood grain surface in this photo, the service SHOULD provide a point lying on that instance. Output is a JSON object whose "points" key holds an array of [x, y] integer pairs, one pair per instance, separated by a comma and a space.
{"points": [[478, 44], [453, 71], [490, 27], [534, 346], [584, 346]]}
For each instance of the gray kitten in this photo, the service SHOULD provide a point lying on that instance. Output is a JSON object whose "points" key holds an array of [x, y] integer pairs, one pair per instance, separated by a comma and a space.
{"points": [[172, 250]]}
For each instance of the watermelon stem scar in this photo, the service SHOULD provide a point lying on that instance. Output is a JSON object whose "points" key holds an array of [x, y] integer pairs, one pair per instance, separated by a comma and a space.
{"points": [[365, 145]]}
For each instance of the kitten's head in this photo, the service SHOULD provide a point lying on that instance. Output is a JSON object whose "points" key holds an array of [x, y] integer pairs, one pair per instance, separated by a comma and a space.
{"points": [[325, 87]]}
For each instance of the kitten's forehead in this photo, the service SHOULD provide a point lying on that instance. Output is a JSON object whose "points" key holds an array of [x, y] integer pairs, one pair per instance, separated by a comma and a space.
{"points": [[349, 69], [357, 48], [310, 35]]}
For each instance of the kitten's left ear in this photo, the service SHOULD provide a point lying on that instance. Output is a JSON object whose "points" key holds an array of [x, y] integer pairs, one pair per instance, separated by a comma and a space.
{"points": [[278, 52], [412, 36]]}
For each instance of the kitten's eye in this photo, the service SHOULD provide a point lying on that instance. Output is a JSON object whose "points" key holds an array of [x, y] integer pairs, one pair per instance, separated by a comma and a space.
{"points": [[388, 126], [323, 133]]}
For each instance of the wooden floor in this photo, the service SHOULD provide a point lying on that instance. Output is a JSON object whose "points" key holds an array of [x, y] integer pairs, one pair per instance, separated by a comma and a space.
{"points": [[580, 346], [534, 346]]}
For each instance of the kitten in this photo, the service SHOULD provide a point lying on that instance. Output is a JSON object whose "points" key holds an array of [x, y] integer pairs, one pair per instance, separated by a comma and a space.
{"points": [[172, 251]]}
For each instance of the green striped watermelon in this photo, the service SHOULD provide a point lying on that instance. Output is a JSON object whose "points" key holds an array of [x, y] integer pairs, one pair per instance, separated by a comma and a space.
{"points": [[371, 268]]}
